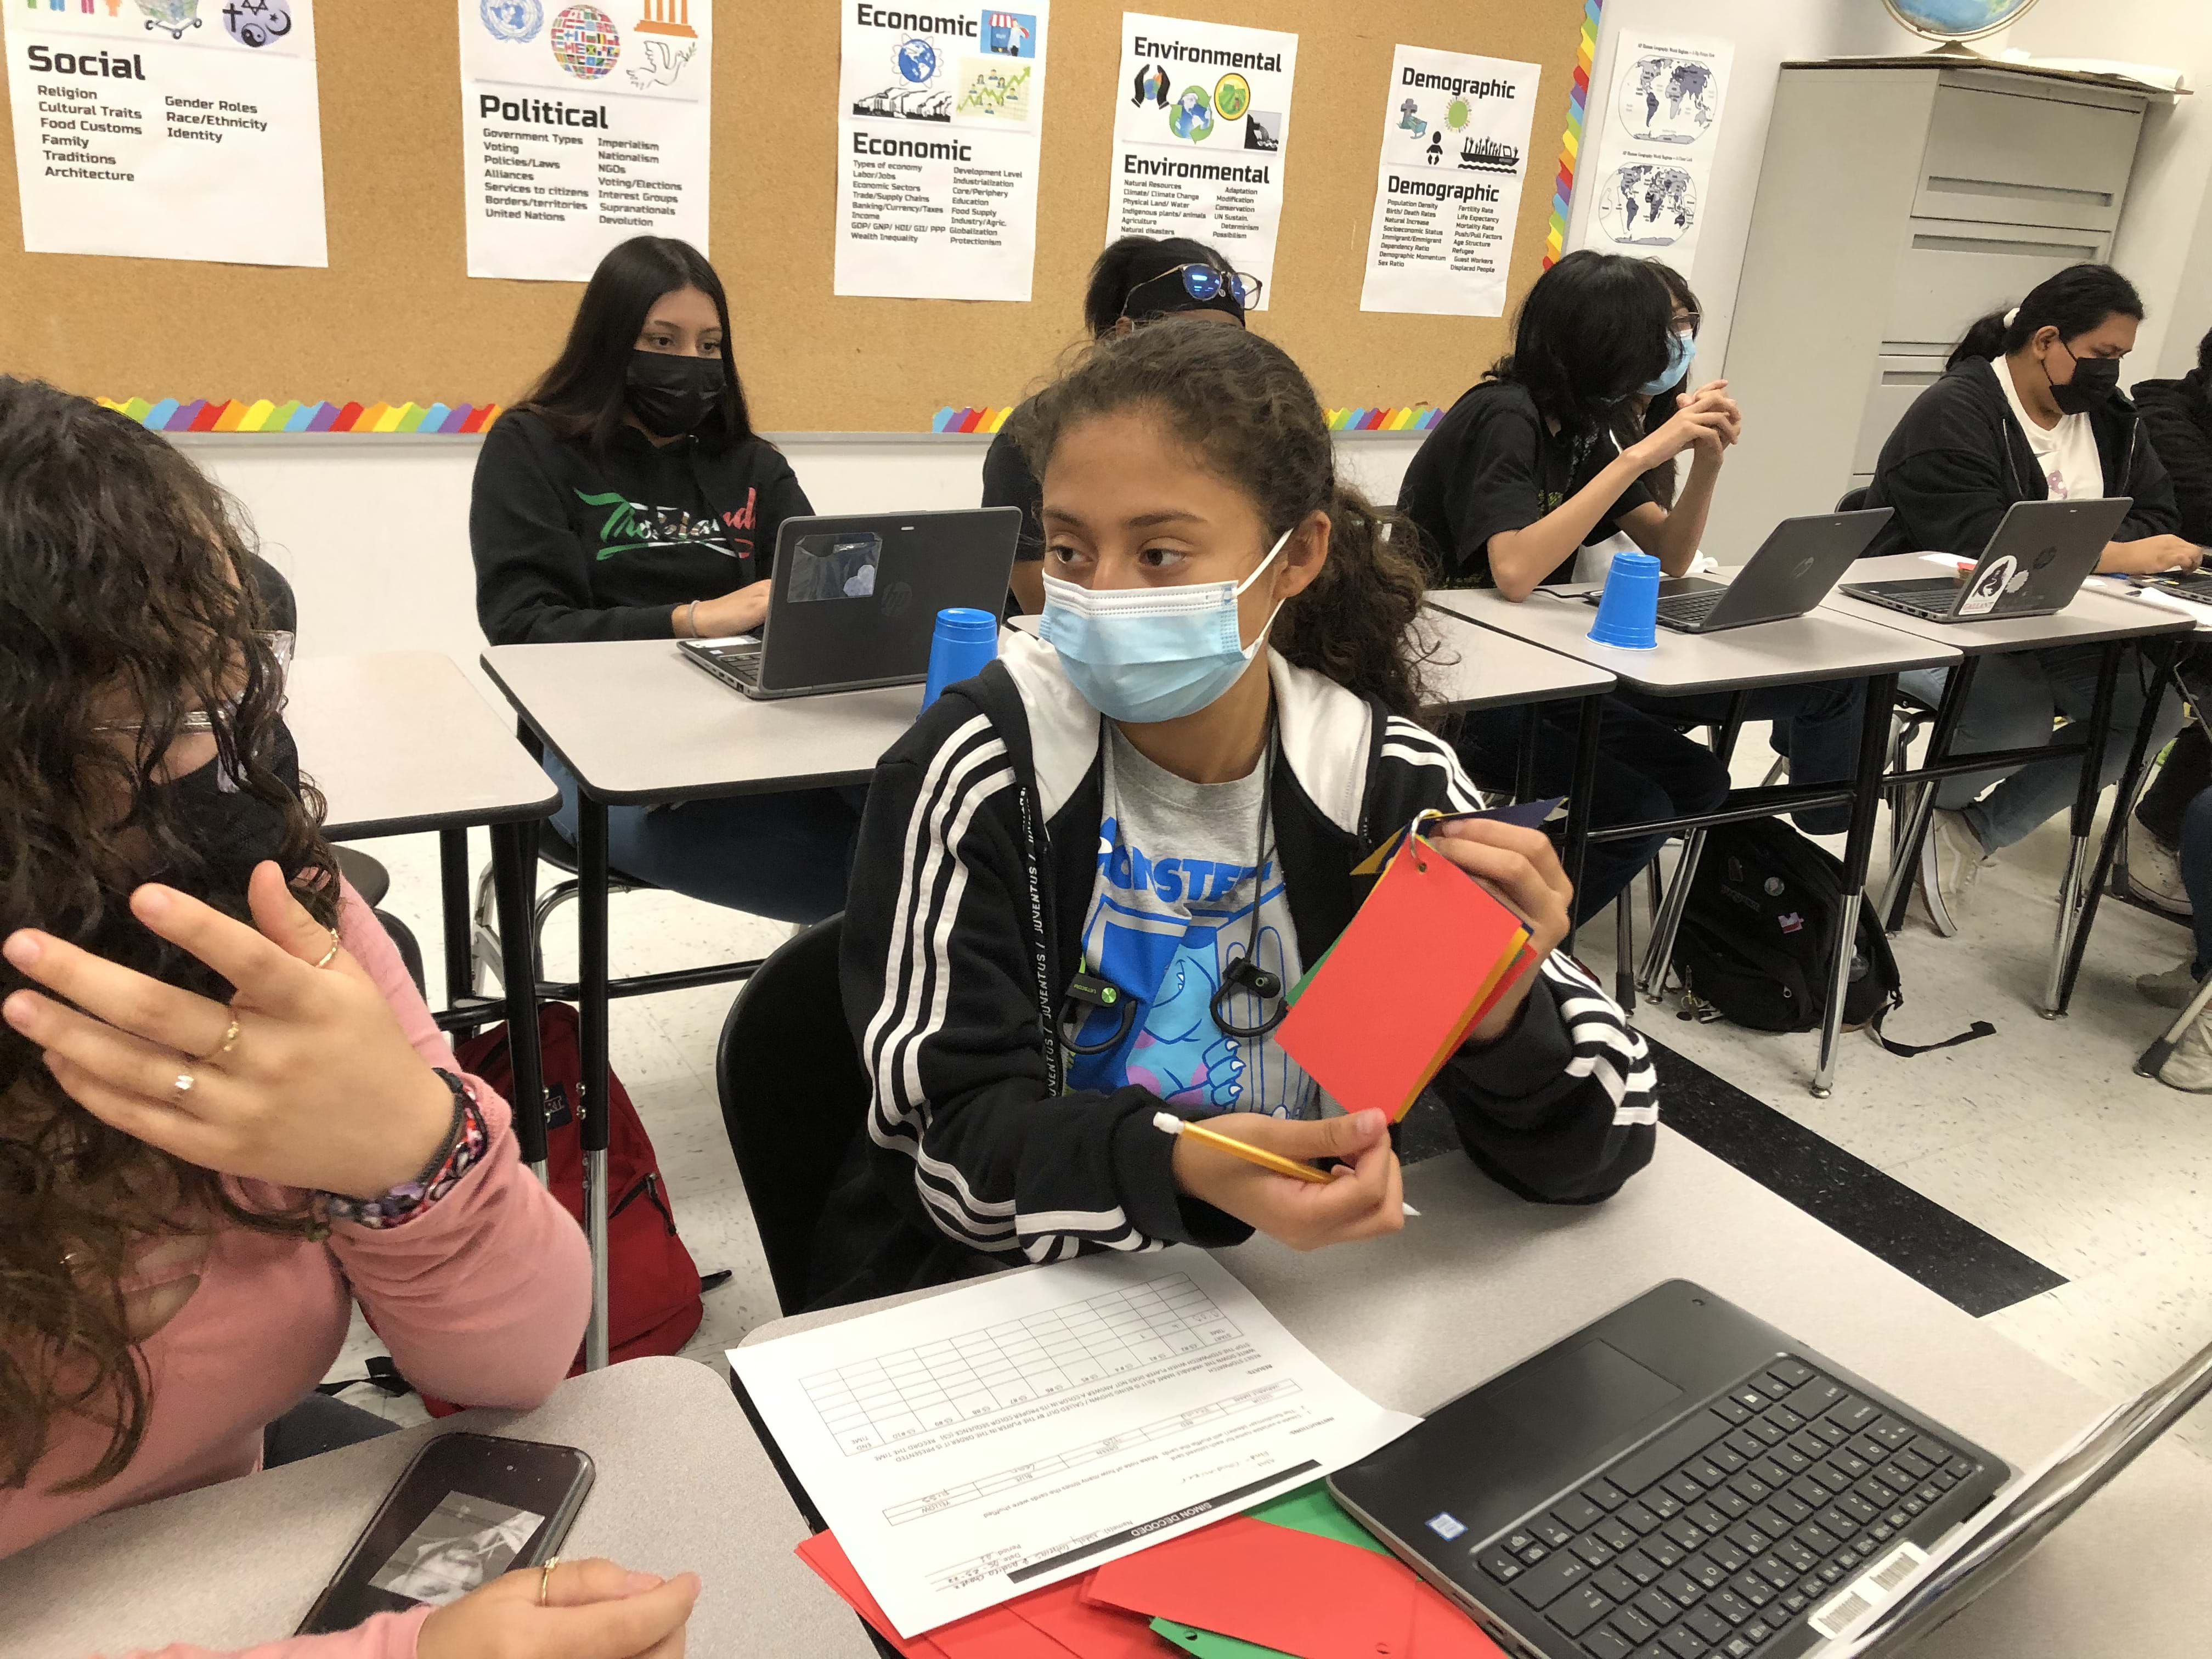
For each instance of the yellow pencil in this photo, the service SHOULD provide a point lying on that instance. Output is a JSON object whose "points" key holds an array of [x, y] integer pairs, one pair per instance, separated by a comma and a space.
{"points": [[1169, 1123]]}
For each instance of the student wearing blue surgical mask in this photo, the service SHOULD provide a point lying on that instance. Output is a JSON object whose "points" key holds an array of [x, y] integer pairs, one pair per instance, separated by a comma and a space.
{"points": [[1525, 472], [1089, 875]]}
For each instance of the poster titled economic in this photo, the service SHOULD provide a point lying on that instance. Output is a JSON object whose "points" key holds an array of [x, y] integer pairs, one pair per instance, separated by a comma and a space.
{"points": [[1448, 186], [168, 129], [581, 126], [1202, 132], [939, 115]]}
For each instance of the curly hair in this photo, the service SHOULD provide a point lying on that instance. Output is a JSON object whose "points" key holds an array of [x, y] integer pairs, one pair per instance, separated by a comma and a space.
{"points": [[125, 583], [1249, 414]]}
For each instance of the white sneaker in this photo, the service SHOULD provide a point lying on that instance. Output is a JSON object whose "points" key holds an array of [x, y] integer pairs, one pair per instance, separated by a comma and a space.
{"points": [[2189, 1067], [2154, 872], [2172, 989], [1951, 857]]}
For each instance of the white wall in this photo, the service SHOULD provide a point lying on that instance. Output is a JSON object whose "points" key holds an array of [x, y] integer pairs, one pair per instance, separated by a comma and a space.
{"points": [[372, 532]]}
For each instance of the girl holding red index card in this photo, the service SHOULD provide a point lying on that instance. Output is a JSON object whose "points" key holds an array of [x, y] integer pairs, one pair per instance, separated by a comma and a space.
{"points": [[1089, 875]]}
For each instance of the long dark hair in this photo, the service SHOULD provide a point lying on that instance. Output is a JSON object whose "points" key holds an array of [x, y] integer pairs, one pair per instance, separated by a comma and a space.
{"points": [[1634, 425], [1239, 401], [1590, 331], [2074, 301], [125, 577], [1131, 261], [582, 395]]}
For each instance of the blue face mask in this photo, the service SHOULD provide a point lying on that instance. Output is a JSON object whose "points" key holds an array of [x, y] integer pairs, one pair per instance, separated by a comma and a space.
{"points": [[1141, 654], [1681, 346]]}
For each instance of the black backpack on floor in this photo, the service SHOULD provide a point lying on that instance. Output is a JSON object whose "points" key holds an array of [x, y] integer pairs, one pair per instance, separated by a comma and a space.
{"points": [[1759, 934]]}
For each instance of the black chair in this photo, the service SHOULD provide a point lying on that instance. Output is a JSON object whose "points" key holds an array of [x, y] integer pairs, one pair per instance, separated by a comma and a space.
{"points": [[1851, 500], [793, 1096]]}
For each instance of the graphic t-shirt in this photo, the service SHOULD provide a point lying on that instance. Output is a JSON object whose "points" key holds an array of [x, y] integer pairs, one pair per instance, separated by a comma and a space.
{"points": [[2067, 453], [1181, 871]]}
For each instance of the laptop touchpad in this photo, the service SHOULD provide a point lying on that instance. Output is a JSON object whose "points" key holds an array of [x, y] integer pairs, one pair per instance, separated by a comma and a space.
{"points": [[1588, 1395]]}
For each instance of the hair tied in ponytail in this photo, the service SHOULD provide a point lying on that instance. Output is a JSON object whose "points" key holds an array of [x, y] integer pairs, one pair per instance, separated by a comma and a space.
{"points": [[2012, 316]]}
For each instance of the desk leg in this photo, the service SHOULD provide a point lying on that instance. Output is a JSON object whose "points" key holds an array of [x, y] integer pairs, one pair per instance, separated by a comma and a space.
{"points": [[1906, 868], [454, 895], [2083, 817], [1578, 800], [591, 977], [2066, 966], [1668, 922], [1524, 767], [1858, 854], [511, 887]]}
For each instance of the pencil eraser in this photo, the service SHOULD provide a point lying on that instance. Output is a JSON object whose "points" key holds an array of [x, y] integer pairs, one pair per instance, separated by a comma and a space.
{"points": [[1168, 1121]]}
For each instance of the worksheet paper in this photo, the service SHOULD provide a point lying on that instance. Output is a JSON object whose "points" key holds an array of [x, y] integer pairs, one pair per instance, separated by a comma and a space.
{"points": [[997, 1438], [1202, 131], [168, 129], [1655, 161], [939, 117], [1448, 186], [582, 126]]}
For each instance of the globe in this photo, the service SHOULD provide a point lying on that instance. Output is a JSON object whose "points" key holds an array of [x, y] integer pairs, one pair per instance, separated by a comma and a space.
{"points": [[1956, 20]]}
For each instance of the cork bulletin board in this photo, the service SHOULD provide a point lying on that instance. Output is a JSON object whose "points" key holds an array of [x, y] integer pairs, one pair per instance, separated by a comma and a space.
{"points": [[395, 316]]}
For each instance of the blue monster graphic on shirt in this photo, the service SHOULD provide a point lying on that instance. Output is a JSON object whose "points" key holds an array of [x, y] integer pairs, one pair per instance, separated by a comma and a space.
{"points": [[1162, 929]]}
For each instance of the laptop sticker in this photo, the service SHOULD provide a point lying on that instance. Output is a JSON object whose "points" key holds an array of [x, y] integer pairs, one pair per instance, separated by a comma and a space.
{"points": [[1867, 1592], [1990, 587], [1446, 1526]]}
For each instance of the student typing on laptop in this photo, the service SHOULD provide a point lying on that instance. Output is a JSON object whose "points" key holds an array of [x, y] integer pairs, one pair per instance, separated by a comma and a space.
{"points": [[628, 497], [2027, 411]]}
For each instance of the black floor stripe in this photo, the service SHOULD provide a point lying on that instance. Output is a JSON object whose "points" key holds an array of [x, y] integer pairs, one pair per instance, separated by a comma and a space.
{"points": [[1881, 1215]]}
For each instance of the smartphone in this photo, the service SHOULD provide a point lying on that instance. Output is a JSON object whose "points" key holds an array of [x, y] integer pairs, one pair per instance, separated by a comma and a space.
{"points": [[470, 1508]]}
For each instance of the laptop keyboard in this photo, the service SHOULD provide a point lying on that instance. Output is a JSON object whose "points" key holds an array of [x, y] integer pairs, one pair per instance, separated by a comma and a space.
{"points": [[1688, 609], [1729, 1529]]}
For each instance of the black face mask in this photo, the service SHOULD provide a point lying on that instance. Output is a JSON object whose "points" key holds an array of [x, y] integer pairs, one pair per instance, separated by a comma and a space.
{"points": [[2095, 380], [672, 394], [232, 830]]}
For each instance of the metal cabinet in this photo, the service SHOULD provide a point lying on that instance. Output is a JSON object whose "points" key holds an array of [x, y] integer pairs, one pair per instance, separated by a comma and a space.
{"points": [[1896, 204]]}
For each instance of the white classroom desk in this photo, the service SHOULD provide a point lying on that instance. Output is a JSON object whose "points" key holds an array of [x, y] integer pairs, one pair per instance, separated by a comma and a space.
{"points": [[682, 1484], [1469, 667], [1481, 1279]]}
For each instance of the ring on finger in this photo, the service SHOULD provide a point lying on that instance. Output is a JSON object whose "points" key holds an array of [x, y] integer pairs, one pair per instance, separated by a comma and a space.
{"points": [[331, 955], [546, 1582], [183, 1085], [230, 1041]]}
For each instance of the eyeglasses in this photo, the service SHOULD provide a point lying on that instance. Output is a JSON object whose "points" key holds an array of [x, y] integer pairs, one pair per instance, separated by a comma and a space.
{"points": [[200, 720], [1205, 282]]}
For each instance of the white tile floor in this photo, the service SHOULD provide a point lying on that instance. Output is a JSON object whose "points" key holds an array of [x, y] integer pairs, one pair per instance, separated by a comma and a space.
{"points": [[2041, 1136]]}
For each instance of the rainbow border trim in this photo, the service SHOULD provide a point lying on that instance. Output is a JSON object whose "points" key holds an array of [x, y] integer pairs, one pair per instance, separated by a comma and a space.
{"points": [[233, 414], [1571, 142], [1411, 417]]}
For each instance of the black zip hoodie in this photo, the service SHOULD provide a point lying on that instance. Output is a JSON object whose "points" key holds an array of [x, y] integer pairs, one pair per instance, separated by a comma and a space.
{"points": [[1958, 460], [977, 856], [572, 545], [2177, 418]]}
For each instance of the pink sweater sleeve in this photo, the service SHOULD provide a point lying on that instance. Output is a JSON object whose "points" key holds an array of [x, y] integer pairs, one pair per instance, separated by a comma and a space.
{"points": [[387, 1636], [482, 1298]]}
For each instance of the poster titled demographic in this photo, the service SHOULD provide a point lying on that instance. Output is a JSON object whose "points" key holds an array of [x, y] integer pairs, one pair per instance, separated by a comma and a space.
{"points": [[582, 125], [1201, 134], [940, 119], [1448, 185], [1653, 167], [169, 129]]}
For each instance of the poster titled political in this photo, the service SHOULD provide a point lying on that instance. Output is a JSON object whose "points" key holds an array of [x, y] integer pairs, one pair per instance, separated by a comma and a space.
{"points": [[1448, 185], [582, 126], [939, 116], [1653, 177], [168, 129], [1201, 133]]}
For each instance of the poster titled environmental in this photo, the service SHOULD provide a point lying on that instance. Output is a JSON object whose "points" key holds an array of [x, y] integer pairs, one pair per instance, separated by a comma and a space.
{"points": [[1448, 185], [940, 119], [168, 129], [1201, 133], [582, 126]]}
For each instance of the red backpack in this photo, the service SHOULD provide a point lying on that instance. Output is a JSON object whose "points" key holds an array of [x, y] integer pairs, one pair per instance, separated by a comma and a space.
{"points": [[652, 1283]]}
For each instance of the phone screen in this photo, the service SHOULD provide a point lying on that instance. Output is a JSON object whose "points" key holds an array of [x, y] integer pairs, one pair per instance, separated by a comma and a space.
{"points": [[470, 1508]]}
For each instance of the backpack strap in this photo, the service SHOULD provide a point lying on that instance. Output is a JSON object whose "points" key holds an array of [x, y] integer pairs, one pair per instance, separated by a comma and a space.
{"points": [[1979, 1029]]}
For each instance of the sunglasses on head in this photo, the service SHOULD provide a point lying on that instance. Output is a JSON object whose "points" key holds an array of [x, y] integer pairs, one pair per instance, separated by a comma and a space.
{"points": [[1205, 282]]}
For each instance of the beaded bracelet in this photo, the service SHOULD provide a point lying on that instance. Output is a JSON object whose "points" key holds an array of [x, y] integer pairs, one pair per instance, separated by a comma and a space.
{"points": [[462, 1149]]}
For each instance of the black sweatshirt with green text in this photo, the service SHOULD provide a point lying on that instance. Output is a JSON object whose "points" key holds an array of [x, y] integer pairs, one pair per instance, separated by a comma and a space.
{"points": [[571, 544]]}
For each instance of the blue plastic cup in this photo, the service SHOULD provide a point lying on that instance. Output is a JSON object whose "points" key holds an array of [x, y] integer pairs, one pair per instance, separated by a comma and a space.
{"points": [[1628, 609], [964, 639]]}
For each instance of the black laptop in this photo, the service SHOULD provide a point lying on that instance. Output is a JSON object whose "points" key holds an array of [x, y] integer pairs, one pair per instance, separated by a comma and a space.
{"points": [[2035, 563], [1792, 571], [855, 600], [1677, 1469]]}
